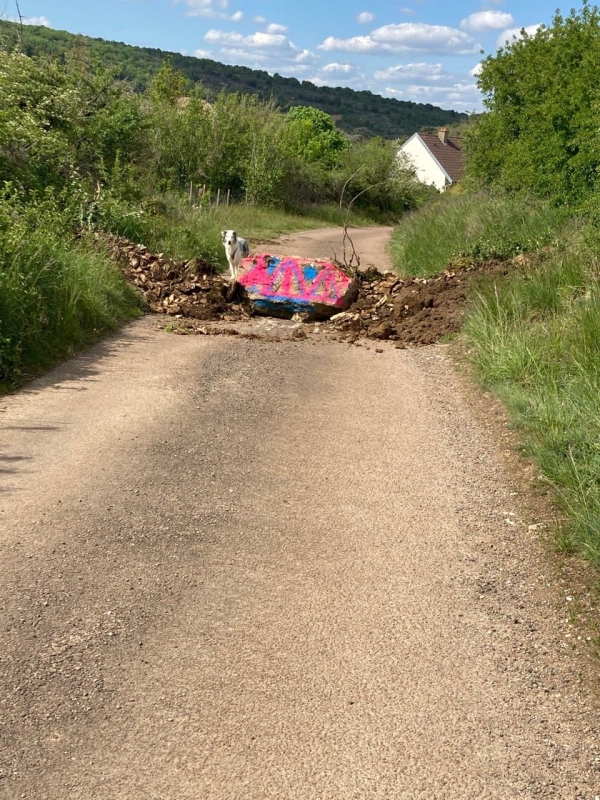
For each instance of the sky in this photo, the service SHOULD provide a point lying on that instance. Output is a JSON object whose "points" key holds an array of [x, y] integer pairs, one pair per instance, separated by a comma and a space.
{"points": [[421, 50]]}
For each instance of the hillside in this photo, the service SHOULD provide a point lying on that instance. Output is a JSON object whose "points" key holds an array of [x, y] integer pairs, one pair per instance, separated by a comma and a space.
{"points": [[358, 113]]}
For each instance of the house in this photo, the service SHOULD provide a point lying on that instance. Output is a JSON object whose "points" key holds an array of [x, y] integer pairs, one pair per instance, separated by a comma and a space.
{"points": [[437, 157]]}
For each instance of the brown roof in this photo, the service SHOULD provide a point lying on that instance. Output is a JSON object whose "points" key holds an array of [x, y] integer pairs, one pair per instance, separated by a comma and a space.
{"points": [[449, 155]]}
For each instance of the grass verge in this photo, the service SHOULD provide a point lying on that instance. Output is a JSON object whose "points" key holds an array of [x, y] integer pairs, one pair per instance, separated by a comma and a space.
{"points": [[535, 340], [55, 297], [533, 336], [472, 228]]}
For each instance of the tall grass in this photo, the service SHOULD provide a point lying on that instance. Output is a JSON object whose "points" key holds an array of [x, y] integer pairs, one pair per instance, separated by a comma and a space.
{"points": [[54, 298], [535, 339], [473, 227]]}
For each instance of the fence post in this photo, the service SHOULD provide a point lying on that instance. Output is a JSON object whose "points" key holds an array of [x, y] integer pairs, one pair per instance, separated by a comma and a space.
{"points": [[218, 197]]}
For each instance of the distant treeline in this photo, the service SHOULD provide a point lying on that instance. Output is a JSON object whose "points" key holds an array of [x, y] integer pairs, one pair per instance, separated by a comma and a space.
{"points": [[361, 114]]}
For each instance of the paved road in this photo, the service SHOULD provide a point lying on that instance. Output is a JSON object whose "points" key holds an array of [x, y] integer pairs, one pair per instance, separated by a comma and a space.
{"points": [[243, 569]]}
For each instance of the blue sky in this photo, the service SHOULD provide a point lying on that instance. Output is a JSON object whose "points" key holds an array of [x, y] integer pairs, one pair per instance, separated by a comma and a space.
{"points": [[417, 50]]}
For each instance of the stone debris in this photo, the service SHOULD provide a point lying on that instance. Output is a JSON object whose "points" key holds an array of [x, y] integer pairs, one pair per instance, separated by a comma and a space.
{"points": [[191, 288], [410, 310]]}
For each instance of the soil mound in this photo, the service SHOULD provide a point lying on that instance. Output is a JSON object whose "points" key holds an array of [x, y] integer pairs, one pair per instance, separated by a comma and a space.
{"points": [[412, 310], [416, 311]]}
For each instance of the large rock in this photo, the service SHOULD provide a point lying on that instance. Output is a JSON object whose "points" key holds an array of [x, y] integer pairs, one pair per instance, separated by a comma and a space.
{"points": [[287, 285]]}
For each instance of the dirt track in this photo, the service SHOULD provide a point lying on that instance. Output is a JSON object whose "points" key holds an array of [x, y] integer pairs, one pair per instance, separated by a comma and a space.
{"points": [[244, 569], [370, 243]]}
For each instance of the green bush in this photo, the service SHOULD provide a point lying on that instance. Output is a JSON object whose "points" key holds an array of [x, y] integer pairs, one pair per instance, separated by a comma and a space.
{"points": [[540, 132]]}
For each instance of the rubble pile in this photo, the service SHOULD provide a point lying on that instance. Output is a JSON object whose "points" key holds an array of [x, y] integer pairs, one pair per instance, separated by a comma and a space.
{"points": [[179, 288]]}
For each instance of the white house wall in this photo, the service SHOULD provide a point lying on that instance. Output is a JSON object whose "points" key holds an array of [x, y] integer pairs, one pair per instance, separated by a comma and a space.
{"points": [[428, 170]]}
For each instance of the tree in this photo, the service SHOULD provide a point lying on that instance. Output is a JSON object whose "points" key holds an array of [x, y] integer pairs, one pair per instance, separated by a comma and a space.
{"points": [[312, 135], [541, 92]]}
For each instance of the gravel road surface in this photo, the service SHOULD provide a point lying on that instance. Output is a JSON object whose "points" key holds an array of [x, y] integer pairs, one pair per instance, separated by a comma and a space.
{"points": [[239, 569]]}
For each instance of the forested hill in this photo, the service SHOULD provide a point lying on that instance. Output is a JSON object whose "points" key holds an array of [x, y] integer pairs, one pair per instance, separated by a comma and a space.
{"points": [[360, 113]]}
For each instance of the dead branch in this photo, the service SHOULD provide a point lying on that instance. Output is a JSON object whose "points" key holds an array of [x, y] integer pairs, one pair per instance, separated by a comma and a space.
{"points": [[20, 25], [354, 264]]}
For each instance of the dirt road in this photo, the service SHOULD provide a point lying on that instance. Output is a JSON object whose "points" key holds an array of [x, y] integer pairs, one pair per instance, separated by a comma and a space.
{"points": [[234, 568], [370, 243]]}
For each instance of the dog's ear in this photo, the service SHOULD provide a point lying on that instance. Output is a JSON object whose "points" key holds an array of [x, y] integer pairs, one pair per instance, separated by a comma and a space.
{"points": [[234, 235], [223, 235]]}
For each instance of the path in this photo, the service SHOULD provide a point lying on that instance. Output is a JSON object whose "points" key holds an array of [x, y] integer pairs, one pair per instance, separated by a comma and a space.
{"points": [[244, 569], [371, 244]]}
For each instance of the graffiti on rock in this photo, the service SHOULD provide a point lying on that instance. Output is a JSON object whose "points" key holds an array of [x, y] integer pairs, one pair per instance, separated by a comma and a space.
{"points": [[294, 282]]}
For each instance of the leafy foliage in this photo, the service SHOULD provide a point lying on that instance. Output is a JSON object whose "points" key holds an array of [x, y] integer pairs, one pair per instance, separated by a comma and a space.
{"points": [[81, 152], [62, 128], [311, 136], [542, 96]]}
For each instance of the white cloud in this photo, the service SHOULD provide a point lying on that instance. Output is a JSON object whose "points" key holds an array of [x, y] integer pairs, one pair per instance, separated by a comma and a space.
{"points": [[507, 36], [458, 96], [411, 72], [487, 21], [205, 8], [267, 50], [365, 16], [260, 20], [213, 9], [406, 37], [406, 10], [357, 44], [302, 55], [202, 54], [476, 71], [338, 69], [42, 21], [258, 39], [274, 28]]}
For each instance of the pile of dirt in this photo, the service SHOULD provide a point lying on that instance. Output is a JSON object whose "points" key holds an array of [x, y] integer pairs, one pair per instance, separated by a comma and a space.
{"points": [[409, 311], [179, 288], [415, 310]]}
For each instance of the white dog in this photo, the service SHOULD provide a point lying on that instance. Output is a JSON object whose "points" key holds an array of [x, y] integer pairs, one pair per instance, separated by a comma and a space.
{"points": [[236, 249]]}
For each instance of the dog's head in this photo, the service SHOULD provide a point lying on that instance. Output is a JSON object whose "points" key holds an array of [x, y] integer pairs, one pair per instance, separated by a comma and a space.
{"points": [[229, 238]]}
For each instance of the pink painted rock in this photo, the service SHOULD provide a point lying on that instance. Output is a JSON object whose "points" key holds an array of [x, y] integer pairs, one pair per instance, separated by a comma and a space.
{"points": [[287, 285]]}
